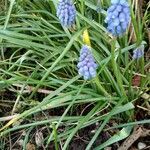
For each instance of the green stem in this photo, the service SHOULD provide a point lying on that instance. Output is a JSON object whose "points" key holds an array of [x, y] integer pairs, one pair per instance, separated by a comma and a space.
{"points": [[5, 25], [142, 70], [136, 26], [100, 88], [99, 9], [130, 91], [82, 7], [9, 13], [55, 136], [115, 68]]}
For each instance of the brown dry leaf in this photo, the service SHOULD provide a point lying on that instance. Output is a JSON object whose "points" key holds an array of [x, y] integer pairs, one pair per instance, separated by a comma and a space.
{"points": [[20, 142], [145, 132], [30, 146], [132, 38], [136, 80], [148, 56], [137, 133], [39, 138], [131, 139]]}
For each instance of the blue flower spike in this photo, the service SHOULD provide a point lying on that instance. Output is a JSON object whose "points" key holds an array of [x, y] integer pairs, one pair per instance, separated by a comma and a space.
{"points": [[66, 12], [86, 65], [138, 52], [118, 17]]}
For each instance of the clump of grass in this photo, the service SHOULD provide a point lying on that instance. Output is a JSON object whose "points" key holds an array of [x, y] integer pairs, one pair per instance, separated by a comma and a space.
{"points": [[39, 80]]}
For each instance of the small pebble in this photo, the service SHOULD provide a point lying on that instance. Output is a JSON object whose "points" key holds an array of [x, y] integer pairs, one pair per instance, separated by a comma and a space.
{"points": [[93, 131], [141, 145]]}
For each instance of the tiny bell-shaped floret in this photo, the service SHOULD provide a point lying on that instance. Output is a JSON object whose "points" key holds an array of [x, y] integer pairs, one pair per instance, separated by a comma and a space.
{"points": [[66, 13], [138, 52], [118, 17], [86, 65]]}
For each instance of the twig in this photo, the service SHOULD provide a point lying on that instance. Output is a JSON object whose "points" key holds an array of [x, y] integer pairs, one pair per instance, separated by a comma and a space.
{"points": [[29, 89], [17, 100], [8, 117]]}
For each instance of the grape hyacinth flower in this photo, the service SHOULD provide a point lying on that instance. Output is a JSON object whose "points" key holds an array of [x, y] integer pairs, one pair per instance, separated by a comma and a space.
{"points": [[138, 52], [118, 17], [86, 65], [66, 13]]}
